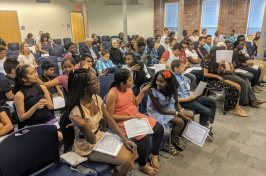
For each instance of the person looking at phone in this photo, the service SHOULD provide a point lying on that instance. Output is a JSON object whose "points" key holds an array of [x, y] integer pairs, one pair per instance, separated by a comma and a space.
{"points": [[105, 65]]}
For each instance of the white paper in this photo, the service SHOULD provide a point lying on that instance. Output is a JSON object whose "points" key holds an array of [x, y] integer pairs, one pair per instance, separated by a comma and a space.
{"points": [[109, 144], [196, 133], [227, 55], [238, 70], [158, 67], [136, 127], [10, 103], [73, 158], [188, 70], [58, 102], [255, 67], [200, 88]]}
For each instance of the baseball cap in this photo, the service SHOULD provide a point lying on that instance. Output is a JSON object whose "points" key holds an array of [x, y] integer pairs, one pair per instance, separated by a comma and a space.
{"points": [[151, 40]]}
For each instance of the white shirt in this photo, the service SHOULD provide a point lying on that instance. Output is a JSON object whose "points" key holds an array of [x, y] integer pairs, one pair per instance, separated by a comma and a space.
{"points": [[2, 65], [27, 61], [194, 38], [192, 54], [171, 57]]}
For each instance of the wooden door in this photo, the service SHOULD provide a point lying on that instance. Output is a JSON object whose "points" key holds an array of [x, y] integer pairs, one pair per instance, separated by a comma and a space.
{"points": [[9, 29], [77, 24]]}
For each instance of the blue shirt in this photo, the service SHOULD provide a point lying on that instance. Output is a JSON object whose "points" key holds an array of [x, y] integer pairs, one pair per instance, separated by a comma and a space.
{"points": [[207, 47], [101, 65], [153, 60], [232, 39], [183, 90]]}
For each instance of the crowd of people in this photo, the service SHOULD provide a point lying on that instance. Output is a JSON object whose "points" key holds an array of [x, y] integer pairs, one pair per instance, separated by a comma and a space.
{"points": [[170, 91]]}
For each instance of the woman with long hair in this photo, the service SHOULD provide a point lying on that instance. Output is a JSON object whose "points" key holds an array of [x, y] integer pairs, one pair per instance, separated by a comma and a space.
{"points": [[85, 109]]}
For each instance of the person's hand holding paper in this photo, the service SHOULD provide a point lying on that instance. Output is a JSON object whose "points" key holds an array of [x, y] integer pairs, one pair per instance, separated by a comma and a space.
{"points": [[130, 145]]}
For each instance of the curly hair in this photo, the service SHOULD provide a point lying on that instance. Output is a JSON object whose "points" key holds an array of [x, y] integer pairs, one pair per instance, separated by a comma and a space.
{"points": [[120, 76]]}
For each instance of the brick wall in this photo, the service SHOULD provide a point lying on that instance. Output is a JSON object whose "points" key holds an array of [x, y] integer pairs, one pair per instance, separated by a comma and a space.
{"points": [[233, 14]]}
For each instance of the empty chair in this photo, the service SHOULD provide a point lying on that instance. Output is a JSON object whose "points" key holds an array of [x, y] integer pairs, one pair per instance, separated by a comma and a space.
{"points": [[135, 36], [65, 40], [36, 56], [12, 54], [13, 46], [114, 37], [128, 37], [56, 51], [105, 82], [57, 41], [81, 44], [52, 59], [39, 70], [106, 45], [99, 38], [34, 156], [105, 38]]}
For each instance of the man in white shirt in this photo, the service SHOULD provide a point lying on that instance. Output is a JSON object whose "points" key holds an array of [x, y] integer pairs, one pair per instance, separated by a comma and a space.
{"points": [[38, 39]]}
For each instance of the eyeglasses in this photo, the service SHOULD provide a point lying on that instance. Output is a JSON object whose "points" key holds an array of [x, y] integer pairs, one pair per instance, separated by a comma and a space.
{"points": [[97, 82]]}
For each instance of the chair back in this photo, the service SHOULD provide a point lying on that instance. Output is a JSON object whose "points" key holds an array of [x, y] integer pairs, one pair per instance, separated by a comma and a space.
{"points": [[9, 114], [135, 36], [114, 37], [196, 44], [39, 70], [143, 104], [56, 69], [13, 46], [56, 51], [58, 41], [105, 82], [106, 45], [65, 40], [105, 38], [52, 59], [12, 54], [23, 153], [36, 56], [1, 75], [99, 38]]}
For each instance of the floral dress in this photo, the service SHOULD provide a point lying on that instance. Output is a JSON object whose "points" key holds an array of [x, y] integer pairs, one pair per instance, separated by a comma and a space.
{"points": [[231, 92]]}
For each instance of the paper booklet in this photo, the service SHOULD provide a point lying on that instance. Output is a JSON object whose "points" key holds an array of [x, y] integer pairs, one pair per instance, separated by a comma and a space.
{"points": [[58, 102], [136, 127], [73, 159], [227, 55], [200, 88], [196, 133], [109, 144], [10, 103]]}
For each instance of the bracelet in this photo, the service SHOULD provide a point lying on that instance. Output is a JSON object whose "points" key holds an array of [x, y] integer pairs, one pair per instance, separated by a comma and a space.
{"points": [[176, 113]]}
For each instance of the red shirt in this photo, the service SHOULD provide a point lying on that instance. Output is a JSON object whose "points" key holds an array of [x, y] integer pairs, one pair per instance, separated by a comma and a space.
{"points": [[183, 57]]}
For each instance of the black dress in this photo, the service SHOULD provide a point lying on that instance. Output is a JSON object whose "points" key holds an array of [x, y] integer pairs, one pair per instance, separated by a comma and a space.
{"points": [[231, 92]]}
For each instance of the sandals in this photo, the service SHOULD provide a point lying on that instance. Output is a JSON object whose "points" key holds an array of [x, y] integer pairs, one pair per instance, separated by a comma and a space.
{"points": [[179, 145], [149, 170], [171, 149], [154, 160], [240, 112]]}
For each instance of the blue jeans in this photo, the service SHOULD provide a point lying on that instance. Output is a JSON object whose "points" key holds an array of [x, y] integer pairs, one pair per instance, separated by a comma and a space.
{"points": [[192, 80], [204, 106]]}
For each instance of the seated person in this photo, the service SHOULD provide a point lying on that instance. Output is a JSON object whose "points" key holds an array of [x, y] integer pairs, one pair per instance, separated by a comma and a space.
{"points": [[150, 53], [192, 55], [86, 62], [122, 105], [105, 65], [194, 37], [140, 51], [44, 45], [86, 109], [90, 49], [72, 50], [218, 37], [5, 123], [163, 105], [208, 44], [2, 58], [123, 47], [7, 83], [202, 105], [115, 54], [140, 73], [95, 41], [32, 101], [25, 57], [48, 75], [201, 51]]}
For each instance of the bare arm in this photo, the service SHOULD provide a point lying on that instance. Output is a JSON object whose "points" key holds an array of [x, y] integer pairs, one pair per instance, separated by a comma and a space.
{"points": [[210, 75], [40, 48], [10, 95], [110, 106], [59, 91], [5, 124], [163, 61], [138, 99], [49, 84], [47, 97]]}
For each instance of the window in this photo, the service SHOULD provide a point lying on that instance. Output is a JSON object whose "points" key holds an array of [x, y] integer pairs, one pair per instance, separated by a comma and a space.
{"points": [[171, 16], [210, 15], [256, 12]]}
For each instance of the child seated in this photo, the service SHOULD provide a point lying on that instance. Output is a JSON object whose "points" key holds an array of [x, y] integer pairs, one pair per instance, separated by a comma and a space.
{"points": [[104, 65], [7, 83], [2, 58], [48, 75], [203, 105], [5, 123], [163, 105], [86, 62], [121, 105]]}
